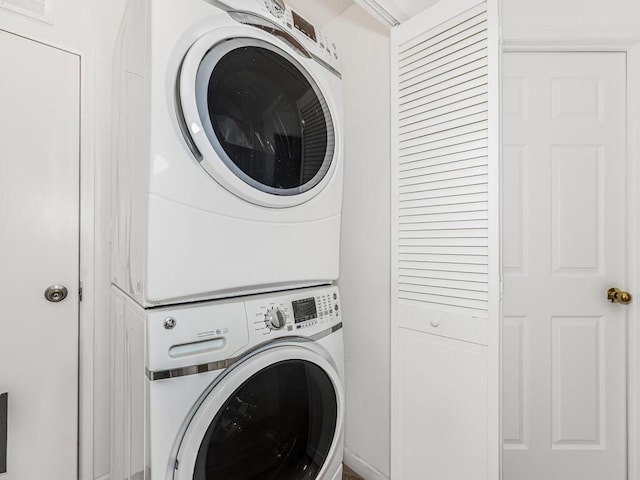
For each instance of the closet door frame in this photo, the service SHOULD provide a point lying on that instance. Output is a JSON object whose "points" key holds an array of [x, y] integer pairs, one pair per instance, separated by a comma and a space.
{"points": [[628, 43], [450, 9]]}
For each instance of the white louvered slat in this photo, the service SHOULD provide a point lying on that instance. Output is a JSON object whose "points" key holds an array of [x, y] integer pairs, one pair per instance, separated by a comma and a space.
{"points": [[461, 224], [408, 145], [450, 193], [443, 234], [443, 241], [477, 306], [442, 107], [472, 142], [448, 58], [440, 92], [447, 35], [449, 104], [442, 169], [448, 175], [442, 268], [432, 167], [453, 208], [442, 250], [455, 72], [428, 186], [418, 274], [474, 112], [448, 291], [464, 284]]}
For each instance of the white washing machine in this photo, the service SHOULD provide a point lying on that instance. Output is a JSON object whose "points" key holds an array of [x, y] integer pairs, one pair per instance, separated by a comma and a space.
{"points": [[228, 151], [241, 389]]}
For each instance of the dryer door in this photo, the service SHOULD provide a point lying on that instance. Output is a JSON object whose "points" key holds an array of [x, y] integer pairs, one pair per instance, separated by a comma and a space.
{"points": [[274, 416], [258, 119]]}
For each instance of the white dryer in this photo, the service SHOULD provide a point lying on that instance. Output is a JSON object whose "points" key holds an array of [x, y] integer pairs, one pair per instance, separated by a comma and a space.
{"points": [[248, 388], [228, 151]]}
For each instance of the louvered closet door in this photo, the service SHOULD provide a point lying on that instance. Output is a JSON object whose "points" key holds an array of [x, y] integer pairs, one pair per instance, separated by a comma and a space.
{"points": [[445, 298]]}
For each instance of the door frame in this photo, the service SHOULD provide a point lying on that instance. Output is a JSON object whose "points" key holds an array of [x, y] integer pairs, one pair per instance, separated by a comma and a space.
{"points": [[628, 43], [86, 254]]}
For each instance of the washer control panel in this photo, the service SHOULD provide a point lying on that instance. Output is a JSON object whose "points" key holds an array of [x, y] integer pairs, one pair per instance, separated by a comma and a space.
{"points": [[301, 313], [218, 330], [279, 13]]}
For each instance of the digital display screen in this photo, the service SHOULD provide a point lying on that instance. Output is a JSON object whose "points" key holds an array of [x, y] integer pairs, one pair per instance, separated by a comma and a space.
{"points": [[304, 26], [304, 310]]}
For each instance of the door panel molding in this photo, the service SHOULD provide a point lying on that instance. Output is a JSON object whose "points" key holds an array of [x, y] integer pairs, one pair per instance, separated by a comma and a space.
{"points": [[628, 42]]}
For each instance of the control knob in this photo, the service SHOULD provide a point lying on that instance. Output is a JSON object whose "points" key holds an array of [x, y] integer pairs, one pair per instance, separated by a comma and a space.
{"points": [[276, 7], [275, 318]]}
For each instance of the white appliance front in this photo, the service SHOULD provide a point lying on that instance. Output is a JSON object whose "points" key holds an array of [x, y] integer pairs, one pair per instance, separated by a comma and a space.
{"points": [[228, 158], [247, 388]]}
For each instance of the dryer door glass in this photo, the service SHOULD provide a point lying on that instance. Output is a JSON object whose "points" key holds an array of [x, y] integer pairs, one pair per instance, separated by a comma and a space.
{"points": [[279, 425], [264, 116]]}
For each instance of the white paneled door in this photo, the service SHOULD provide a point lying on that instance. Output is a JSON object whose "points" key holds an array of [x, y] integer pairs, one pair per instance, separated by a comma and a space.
{"points": [[564, 365], [39, 218], [445, 257]]}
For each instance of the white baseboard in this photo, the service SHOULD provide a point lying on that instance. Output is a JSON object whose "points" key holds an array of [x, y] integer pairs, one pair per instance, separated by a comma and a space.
{"points": [[362, 468], [104, 477]]}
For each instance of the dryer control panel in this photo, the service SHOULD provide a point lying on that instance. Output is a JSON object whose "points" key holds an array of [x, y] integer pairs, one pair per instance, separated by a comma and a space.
{"points": [[290, 21], [305, 312]]}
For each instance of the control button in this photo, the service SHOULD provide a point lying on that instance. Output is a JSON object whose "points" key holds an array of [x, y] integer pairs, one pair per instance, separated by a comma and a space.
{"points": [[335, 296], [169, 323], [275, 318], [276, 7], [336, 308]]}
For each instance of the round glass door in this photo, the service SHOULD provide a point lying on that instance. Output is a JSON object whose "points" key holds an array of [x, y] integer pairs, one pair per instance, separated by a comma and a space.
{"points": [[277, 425], [264, 116]]}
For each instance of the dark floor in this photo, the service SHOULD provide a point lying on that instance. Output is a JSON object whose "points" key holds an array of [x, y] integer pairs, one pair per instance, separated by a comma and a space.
{"points": [[349, 474]]}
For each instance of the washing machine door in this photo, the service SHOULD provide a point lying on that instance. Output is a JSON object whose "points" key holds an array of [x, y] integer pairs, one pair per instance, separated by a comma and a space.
{"points": [[259, 122], [276, 415]]}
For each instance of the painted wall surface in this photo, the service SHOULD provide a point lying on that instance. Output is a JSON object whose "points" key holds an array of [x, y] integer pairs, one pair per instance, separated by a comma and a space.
{"points": [[320, 13], [106, 20], [363, 44], [64, 29], [583, 18]]}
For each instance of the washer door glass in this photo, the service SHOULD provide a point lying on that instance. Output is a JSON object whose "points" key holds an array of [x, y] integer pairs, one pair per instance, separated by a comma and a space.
{"points": [[264, 116], [278, 425]]}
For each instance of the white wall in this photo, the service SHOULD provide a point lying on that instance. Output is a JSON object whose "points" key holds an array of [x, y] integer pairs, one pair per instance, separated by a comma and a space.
{"points": [[581, 18], [363, 44], [319, 13], [105, 18]]}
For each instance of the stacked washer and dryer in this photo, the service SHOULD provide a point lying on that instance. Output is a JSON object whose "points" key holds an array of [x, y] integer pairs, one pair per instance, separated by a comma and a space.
{"points": [[227, 353]]}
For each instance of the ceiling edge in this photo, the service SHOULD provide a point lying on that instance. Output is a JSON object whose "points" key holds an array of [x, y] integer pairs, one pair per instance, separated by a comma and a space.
{"points": [[391, 17]]}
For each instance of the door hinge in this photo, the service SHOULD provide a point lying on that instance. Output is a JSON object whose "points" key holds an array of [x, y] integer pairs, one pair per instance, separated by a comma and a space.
{"points": [[80, 292]]}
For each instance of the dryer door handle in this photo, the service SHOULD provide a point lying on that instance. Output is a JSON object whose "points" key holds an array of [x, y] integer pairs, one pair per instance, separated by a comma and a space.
{"points": [[197, 348]]}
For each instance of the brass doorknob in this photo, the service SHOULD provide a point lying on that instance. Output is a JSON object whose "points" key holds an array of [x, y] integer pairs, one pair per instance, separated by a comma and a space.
{"points": [[615, 295]]}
